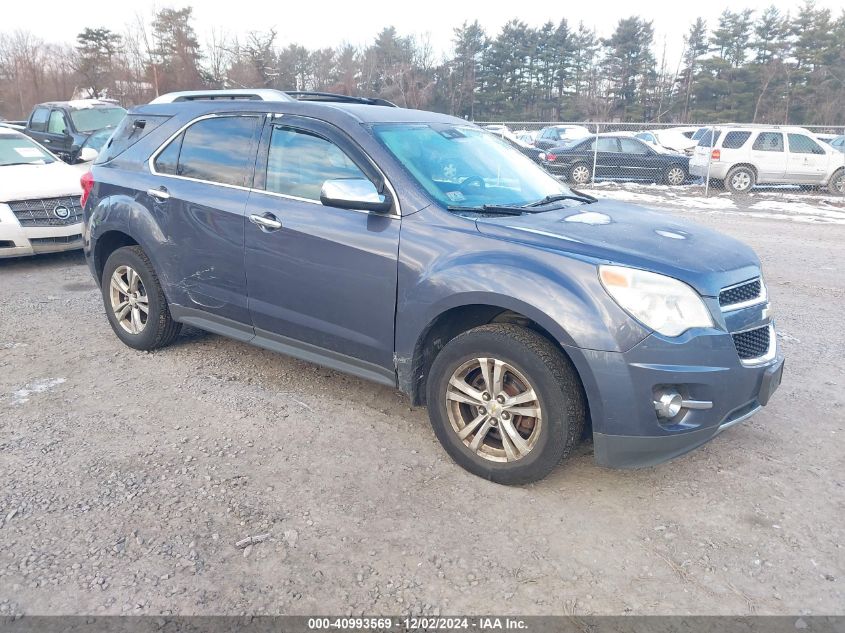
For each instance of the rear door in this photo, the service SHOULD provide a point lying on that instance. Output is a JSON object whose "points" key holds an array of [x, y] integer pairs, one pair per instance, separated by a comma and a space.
{"points": [[198, 195], [322, 280], [768, 155], [807, 161]]}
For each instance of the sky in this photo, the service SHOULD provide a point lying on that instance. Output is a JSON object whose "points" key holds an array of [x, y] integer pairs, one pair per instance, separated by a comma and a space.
{"points": [[329, 23]]}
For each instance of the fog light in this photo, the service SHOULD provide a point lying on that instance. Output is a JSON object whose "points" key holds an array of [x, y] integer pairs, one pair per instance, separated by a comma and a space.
{"points": [[669, 403]]}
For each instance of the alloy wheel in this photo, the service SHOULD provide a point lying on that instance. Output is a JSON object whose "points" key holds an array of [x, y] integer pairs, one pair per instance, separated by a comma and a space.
{"points": [[494, 409], [581, 174], [741, 181], [129, 300], [675, 176]]}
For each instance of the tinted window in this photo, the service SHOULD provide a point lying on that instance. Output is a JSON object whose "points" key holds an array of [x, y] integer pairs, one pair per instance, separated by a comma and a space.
{"points": [[709, 138], [605, 145], [218, 149], [299, 163], [167, 162], [57, 124], [132, 129], [735, 140], [768, 142], [800, 144], [38, 123], [630, 146]]}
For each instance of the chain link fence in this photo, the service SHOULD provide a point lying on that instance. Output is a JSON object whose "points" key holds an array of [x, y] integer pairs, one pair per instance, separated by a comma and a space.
{"points": [[719, 165]]}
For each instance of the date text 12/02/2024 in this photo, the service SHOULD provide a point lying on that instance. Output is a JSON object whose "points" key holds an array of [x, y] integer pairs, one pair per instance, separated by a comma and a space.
{"points": [[417, 623]]}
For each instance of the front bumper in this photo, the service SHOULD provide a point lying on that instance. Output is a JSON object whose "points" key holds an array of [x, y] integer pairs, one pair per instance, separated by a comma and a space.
{"points": [[19, 241], [702, 365]]}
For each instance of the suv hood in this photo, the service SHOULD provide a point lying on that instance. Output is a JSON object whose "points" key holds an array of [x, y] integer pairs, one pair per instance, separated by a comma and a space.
{"points": [[29, 182], [630, 235]]}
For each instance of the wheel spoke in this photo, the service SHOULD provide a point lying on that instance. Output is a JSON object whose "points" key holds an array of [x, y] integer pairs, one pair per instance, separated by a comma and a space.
{"points": [[117, 282], [143, 307], [498, 376], [521, 398], [480, 435], [513, 436], [510, 449], [458, 396], [132, 278], [136, 320], [121, 309], [461, 385], [531, 412], [485, 372], [472, 426]]}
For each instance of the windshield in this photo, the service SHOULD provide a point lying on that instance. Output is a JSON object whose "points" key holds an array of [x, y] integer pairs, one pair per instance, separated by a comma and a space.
{"points": [[465, 167], [18, 150], [90, 119]]}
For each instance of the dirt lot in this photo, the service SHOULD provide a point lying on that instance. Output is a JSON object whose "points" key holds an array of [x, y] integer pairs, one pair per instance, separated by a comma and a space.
{"points": [[129, 477]]}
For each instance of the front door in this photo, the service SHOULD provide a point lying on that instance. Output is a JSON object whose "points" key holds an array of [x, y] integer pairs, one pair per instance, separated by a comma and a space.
{"points": [[57, 137], [321, 280], [639, 161]]}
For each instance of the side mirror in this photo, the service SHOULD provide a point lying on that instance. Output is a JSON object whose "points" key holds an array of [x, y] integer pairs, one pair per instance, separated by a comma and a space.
{"points": [[87, 154], [354, 193]]}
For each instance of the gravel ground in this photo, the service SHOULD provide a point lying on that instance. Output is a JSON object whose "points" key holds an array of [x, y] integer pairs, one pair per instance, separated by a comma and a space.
{"points": [[129, 478]]}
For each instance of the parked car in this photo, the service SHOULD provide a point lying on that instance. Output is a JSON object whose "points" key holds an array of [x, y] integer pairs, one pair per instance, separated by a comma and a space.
{"points": [[513, 307], [537, 155], [617, 157], [743, 156], [668, 139], [555, 135], [63, 126], [40, 210], [527, 136], [838, 143], [687, 131], [825, 138], [91, 147]]}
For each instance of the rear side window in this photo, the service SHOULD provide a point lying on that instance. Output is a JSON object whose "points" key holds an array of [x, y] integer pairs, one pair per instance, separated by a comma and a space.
{"points": [[801, 144], [630, 146], [735, 140], [38, 122], [709, 138], [216, 150], [132, 129], [768, 142], [300, 162]]}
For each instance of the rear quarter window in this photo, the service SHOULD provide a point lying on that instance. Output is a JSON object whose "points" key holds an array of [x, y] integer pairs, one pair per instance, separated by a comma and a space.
{"points": [[132, 129], [735, 140], [709, 138]]}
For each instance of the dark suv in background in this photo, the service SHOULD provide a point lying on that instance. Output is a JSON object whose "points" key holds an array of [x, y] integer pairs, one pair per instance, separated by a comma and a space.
{"points": [[419, 251], [64, 126]]}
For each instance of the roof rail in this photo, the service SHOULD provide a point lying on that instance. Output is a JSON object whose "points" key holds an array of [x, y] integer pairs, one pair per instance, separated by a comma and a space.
{"points": [[247, 94], [307, 95]]}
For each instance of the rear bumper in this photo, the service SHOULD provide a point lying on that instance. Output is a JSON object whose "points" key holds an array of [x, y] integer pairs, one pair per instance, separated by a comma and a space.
{"points": [[718, 170], [19, 241]]}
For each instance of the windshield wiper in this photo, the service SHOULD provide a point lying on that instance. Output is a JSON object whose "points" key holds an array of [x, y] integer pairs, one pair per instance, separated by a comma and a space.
{"points": [[492, 209], [557, 197]]}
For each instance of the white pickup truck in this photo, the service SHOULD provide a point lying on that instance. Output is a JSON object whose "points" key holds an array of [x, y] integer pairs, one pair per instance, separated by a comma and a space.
{"points": [[39, 199]]}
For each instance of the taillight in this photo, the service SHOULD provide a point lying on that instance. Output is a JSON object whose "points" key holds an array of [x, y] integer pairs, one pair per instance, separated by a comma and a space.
{"points": [[551, 157], [716, 154], [87, 182]]}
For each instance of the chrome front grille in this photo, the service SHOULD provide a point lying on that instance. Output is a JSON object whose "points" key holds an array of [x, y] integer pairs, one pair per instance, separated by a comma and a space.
{"points": [[62, 211], [743, 294]]}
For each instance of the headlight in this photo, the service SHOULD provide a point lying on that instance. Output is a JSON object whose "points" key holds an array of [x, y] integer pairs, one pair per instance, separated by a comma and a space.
{"points": [[542, 155], [661, 303]]}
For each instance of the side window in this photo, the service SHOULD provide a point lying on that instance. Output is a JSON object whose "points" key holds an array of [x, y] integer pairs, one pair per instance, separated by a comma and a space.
{"points": [[735, 140], [768, 142], [608, 145], [708, 138], [57, 124], [217, 150], [167, 162], [800, 144], [630, 146], [38, 122], [300, 162]]}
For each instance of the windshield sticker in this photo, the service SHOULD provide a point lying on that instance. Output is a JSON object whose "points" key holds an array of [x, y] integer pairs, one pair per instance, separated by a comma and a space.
{"points": [[455, 196], [28, 152], [451, 133]]}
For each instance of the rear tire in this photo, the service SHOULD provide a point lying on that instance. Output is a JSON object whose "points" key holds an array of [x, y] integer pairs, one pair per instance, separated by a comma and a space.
{"points": [[675, 175], [740, 179], [134, 301], [580, 174], [470, 385], [836, 186]]}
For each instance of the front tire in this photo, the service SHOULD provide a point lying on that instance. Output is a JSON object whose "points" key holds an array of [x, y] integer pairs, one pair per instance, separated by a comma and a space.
{"points": [[740, 179], [836, 186], [134, 301], [505, 403], [675, 175]]}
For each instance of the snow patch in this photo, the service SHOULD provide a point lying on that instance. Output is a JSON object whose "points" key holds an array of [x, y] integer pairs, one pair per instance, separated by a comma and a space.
{"points": [[22, 395]]}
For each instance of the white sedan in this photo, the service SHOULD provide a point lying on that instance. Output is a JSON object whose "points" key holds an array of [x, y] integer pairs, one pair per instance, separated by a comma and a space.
{"points": [[39, 199], [670, 139]]}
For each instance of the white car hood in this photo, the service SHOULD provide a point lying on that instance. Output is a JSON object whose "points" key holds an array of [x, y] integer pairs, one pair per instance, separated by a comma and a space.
{"points": [[27, 182]]}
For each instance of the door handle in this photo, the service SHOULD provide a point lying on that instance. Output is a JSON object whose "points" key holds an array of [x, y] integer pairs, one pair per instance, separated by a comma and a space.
{"points": [[46, 140], [160, 193], [266, 222]]}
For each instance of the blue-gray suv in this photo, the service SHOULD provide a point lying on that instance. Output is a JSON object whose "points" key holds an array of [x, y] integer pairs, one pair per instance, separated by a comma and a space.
{"points": [[417, 250]]}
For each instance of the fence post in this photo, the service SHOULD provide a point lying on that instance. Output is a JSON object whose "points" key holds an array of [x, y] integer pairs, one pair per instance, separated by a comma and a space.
{"points": [[595, 156], [709, 160]]}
